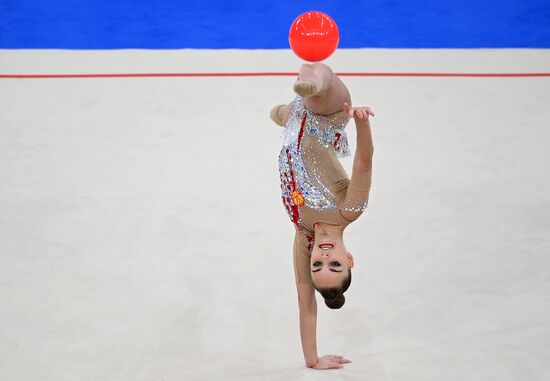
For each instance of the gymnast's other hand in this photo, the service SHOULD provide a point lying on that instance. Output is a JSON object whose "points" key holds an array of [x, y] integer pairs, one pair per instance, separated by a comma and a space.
{"points": [[360, 114], [330, 362]]}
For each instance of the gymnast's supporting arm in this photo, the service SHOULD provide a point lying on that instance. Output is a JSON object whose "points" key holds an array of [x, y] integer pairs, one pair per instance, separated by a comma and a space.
{"points": [[306, 299], [308, 322]]}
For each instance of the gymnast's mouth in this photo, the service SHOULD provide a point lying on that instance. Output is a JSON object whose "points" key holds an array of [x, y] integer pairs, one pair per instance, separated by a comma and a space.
{"points": [[326, 246]]}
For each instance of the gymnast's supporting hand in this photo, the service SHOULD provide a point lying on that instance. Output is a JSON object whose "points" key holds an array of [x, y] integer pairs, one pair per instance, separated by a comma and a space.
{"points": [[330, 362]]}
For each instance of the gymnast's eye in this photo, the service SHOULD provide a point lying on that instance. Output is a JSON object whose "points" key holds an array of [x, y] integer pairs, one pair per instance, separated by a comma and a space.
{"points": [[334, 263], [317, 264]]}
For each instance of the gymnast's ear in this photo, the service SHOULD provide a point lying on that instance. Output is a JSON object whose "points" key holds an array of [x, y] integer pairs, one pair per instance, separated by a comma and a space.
{"points": [[351, 260]]}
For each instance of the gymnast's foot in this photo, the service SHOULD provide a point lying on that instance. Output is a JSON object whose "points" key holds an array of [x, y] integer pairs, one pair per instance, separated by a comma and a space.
{"points": [[276, 115], [305, 88]]}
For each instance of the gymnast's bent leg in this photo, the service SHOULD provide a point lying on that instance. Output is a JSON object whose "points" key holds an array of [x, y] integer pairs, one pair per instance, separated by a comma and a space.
{"points": [[323, 92]]}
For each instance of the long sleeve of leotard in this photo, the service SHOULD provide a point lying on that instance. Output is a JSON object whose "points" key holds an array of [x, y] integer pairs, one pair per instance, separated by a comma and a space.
{"points": [[357, 194]]}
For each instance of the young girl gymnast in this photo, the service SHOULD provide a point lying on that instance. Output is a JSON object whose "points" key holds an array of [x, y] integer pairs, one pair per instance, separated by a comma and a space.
{"points": [[320, 199]]}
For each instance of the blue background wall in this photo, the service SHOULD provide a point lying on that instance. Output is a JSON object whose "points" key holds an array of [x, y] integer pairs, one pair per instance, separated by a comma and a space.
{"points": [[172, 24]]}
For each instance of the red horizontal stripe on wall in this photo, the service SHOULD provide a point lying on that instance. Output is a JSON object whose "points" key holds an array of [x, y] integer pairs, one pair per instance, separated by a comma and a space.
{"points": [[264, 74]]}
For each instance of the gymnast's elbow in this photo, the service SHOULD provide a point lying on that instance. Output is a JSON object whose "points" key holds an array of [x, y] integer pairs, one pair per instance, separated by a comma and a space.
{"points": [[362, 164]]}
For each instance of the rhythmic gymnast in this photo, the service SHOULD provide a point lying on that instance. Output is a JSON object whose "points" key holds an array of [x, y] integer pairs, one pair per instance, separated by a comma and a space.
{"points": [[318, 196]]}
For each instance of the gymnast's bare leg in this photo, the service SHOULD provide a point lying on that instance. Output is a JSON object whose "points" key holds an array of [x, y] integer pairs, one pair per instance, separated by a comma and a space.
{"points": [[322, 92]]}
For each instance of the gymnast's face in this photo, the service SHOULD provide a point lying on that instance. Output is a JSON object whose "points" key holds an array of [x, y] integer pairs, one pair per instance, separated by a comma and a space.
{"points": [[329, 262]]}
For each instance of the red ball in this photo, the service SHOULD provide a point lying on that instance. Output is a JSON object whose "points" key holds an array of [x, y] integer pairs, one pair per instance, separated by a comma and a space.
{"points": [[313, 36]]}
